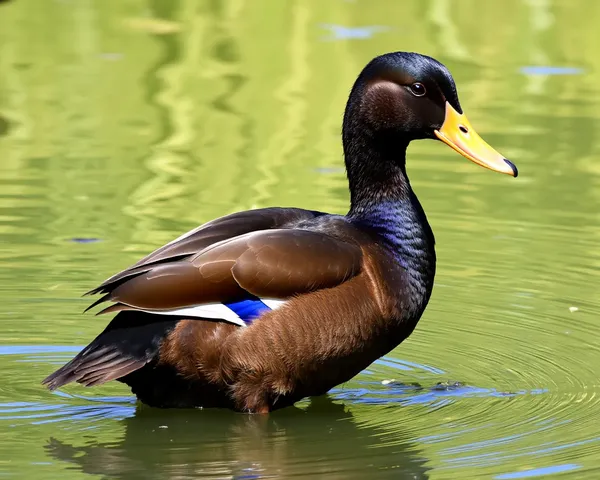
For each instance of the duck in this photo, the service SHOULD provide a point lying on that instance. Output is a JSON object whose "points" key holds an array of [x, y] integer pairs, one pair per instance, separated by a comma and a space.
{"points": [[257, 310]]}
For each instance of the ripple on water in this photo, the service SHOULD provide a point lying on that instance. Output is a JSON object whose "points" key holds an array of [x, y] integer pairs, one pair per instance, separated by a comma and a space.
{"points": [[58, 406], [544, 411], [429, 386], [524, 345]]}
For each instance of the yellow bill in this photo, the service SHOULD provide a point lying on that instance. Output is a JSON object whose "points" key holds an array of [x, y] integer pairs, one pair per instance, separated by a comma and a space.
{"points": [[457, 133]]}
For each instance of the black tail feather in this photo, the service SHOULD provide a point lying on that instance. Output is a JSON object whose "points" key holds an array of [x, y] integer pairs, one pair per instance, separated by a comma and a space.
{"points": [[130, 341]]}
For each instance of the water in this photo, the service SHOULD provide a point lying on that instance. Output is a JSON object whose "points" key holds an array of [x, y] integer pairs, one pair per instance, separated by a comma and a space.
{"points": [[123, 124]]}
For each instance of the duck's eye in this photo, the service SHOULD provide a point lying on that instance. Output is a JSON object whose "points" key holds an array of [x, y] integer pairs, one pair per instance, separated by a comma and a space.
{"points": [[418, 89]]}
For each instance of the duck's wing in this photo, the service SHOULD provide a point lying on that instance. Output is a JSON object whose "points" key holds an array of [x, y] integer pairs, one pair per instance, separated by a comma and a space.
{"points": [[223, 228], [238, 278]]}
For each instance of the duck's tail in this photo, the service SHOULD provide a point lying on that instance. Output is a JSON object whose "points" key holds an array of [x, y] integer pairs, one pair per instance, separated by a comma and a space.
{"points": [[130, 341]]}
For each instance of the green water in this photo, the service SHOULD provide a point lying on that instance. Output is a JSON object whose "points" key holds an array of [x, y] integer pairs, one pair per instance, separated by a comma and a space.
{"points": [[125, 123]]}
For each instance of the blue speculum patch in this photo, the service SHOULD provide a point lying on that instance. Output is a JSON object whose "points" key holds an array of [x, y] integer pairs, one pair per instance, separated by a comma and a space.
{"points": [[248, 310]]}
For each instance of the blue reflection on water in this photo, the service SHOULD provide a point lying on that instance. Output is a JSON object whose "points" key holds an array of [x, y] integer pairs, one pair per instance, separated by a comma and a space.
{"points": [[538, 472], [340, 32], [33, 349], [85, 240], [549, 70]]}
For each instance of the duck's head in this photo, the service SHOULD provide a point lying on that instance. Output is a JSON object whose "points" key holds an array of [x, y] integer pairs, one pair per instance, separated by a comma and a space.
{"points": [[399, 97]]}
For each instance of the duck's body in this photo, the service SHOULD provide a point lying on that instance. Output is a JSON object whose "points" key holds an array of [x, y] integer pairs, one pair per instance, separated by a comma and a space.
{"points": [[256, 310], [287, 353]]}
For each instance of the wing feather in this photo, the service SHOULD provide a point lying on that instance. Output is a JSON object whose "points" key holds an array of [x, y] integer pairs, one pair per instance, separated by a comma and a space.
{"points": [[208, 234], [276, 263]]}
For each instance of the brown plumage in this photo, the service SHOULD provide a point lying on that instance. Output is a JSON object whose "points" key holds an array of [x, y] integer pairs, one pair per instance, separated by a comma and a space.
{"points": [[256, 310]]}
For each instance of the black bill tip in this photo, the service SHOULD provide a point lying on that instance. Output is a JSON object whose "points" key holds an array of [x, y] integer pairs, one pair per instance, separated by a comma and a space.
{"points": [[513, 167]]}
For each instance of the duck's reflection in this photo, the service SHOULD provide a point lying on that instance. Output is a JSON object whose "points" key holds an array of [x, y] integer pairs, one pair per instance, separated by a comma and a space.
{"points": [[323, 440]]}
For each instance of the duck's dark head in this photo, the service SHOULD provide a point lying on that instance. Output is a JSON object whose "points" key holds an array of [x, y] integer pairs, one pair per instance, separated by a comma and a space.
{"points": [[400, 97]]}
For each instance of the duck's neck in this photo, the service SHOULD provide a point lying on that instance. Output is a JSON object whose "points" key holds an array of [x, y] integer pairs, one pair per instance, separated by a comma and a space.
{"points": [[376, 177], [383, 202]]}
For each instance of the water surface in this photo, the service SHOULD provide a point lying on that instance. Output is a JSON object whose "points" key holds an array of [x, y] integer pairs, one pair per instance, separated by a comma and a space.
{"points": [[124, 124]]}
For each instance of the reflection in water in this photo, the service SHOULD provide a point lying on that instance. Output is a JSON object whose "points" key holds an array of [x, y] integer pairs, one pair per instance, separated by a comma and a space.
{"points": [[323, 439], [4, 126], [549, 70], [340, 32]]}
